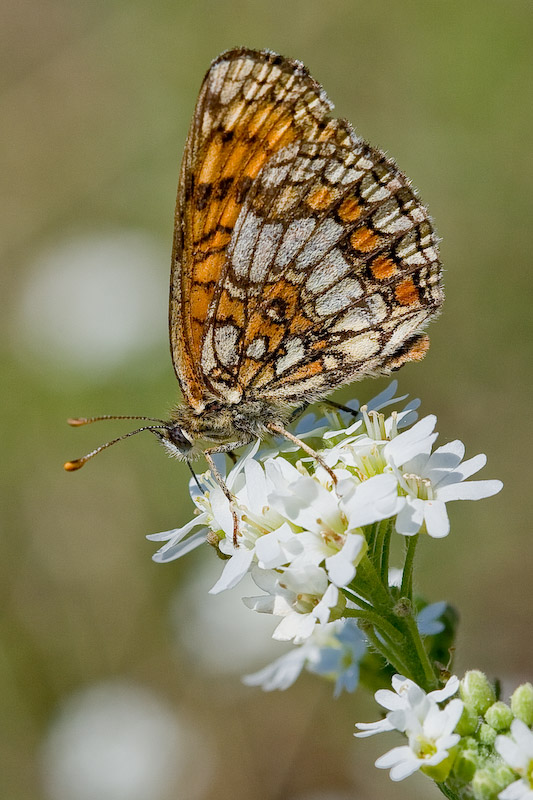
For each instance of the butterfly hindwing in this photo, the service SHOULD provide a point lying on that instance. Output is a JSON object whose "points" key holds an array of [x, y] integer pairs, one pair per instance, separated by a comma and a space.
{"points": [[332, 272]]}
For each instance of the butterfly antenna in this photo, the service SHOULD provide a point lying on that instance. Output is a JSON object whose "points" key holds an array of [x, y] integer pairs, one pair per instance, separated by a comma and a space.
{"points": [[78, 463], [76, 422]]}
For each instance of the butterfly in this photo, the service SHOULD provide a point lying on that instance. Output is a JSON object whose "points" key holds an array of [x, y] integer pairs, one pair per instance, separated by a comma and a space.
{"points": [[302, 260]]}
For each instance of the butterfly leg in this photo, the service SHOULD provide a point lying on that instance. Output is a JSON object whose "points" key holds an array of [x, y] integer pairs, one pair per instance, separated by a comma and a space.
{"points": [[221, 482], [281, 431]]}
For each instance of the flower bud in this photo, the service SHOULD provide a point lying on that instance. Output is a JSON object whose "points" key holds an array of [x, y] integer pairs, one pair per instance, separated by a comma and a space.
{"points": [[467, 760], [487, 783], [499, 716], [476, 691], [522, 703], [487, 735], [468, 723]]}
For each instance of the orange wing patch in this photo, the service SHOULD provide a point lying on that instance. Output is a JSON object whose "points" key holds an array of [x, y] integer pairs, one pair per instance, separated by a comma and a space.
{"points": [[383, 267], [406, 293]]}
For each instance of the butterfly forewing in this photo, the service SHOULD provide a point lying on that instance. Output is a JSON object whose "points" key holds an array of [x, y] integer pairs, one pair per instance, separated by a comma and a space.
{"points": [[251, 105]]}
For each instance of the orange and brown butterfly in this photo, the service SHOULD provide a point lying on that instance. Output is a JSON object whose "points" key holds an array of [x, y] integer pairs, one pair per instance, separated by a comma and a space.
{"points": [[302, 260]]}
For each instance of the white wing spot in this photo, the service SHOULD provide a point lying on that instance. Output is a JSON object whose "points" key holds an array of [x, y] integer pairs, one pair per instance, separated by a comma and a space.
{"points": [[226, 337], [264, 251], [257, 348], [229, 90], [295, 235], [245, 241], [338, 297], [325, 238], [332, 269], [295, 353]]}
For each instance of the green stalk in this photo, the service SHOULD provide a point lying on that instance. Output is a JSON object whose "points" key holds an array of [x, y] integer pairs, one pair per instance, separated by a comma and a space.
{"points": [[380, 594], [385, 550], [392, 657], [407, 577], [430, 679], [378, 543], [371, 538], [355, 597]]}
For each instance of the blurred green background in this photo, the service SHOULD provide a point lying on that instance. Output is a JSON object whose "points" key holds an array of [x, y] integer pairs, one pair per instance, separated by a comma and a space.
{"points": [[96, 101]]}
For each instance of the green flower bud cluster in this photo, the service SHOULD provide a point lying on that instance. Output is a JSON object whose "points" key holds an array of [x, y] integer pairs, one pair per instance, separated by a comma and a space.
{"points": [[478, 771]]}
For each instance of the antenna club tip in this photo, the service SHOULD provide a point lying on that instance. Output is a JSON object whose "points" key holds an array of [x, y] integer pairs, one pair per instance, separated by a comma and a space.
{"points": [[76, 421], [72, 466]]}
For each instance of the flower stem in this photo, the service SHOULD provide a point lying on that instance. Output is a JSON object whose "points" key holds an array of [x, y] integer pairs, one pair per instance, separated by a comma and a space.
{"points": [[356, 597], [380, 594], [371, 538], [385, 550], [407, 577], [431, 681], [391, 657]]}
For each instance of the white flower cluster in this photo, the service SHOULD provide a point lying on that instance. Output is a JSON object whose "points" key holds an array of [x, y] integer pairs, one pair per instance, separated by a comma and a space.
{"points": [[301, 537], [428, 727]]}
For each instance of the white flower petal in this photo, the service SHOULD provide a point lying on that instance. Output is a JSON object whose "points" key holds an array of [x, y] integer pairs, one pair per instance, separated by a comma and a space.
{"points": [[404, 769], [256, 487], [174, 550], [370, 501], [451, 687], [281, 674], [464, 470], [410, 517], [402, 762], [234, 570], [221, 510], [523, 736], [329, 599], [294, 626], [177, 534], [278, 547], [444, 459], [394, 756], [519, 790], [263, 603], [436, 518], [371, 728], [471, 490], [340, 571], [410, 443]]}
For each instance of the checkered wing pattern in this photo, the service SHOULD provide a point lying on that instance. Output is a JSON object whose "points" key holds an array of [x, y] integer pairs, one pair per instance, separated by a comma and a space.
{"points": [[251, 105], [303, 258]]}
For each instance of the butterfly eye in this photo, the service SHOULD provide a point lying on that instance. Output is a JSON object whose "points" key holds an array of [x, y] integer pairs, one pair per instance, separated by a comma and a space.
{"points": [[179, 437]]}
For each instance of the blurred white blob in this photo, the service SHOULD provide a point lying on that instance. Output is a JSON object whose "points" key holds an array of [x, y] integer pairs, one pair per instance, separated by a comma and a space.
{"points": [[90, 302], [218, 632], [118, 741]]}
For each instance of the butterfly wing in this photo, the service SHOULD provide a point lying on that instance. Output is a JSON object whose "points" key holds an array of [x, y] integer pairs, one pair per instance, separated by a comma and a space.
{"points": [[251, 105], [332, 274]]}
